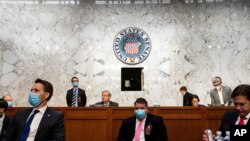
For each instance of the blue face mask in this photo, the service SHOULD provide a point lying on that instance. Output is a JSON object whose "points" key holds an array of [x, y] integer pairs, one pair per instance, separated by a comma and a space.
{"points": [[10, 103], [34, 99], [140, 114], [75, 84]]}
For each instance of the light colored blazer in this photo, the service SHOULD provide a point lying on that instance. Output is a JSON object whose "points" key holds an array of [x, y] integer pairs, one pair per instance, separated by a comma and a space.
{"points": [[226, 95]]}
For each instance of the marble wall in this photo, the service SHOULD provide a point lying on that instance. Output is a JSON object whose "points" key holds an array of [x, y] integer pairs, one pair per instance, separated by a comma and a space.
{"points": [[191, 43]]}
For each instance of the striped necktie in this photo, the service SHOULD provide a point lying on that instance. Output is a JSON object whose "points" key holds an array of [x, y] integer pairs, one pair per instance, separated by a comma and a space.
{"points": [[74, 98]]}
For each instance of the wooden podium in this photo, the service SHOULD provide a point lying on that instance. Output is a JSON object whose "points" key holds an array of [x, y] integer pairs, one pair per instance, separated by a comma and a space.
{"points": [[103, 124]]}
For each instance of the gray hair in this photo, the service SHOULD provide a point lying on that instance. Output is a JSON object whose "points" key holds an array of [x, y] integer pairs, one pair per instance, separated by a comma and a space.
{"points": [[216, 78], [109, 93]]}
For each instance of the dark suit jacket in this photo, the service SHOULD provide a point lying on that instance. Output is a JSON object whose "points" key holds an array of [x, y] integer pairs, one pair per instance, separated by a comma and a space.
{"points": [[111, 104], [228, 120], [5, 125], [226, 95], [187, 99], [158, 132], [81, 99], [50, 128]]}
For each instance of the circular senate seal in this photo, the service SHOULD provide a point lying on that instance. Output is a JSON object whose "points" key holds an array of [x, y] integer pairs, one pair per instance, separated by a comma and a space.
{"points": [[132, 45]]}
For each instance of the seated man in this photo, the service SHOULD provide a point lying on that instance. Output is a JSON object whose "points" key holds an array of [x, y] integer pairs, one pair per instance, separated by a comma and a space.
{"points": [[4, 120], [241, 114], [39, 123], [106, 96], [9, 100], [143, 126]]}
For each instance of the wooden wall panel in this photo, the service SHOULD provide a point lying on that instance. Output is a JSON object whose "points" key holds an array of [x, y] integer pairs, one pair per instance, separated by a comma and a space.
{"points": [[92, 130], [103, 124]]}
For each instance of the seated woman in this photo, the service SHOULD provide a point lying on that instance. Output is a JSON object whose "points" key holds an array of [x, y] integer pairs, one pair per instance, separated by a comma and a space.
{"points": [[195, 101]]}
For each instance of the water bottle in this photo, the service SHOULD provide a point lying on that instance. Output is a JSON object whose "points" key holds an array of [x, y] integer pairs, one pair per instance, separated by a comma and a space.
{"points": [[209, 134], [227, 137], [218, 136]]}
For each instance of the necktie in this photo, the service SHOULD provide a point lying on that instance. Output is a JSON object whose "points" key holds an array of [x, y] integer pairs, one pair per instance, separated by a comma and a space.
{"points": [[138, 131], [74, 99], [26, 128], [241, 122]]}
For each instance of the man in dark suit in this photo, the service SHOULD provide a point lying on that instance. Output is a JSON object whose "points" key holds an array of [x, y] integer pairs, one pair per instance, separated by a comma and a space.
{"points": [[142, 126], [39, 123], [106, 102], [4, 120], [240, 116], [76, 96], [220, 95], [9, 100], [187, 97]]}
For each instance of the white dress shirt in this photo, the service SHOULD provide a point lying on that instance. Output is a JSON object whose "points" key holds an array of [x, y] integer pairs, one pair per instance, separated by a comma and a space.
{"points": [[35, 122], [1, 122], [219, 89], [245, 121]]}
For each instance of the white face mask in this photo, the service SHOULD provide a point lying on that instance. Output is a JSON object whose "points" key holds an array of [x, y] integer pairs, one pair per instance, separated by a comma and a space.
{"points": [[75, 84], [10, 103]]}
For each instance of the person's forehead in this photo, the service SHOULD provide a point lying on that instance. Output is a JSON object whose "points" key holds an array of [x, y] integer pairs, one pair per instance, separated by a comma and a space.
{"points": [[216, 80], [195, 99], [105, 93], [140, 105], [75, 79], [240, 98], [38, 86], [7, 97]]}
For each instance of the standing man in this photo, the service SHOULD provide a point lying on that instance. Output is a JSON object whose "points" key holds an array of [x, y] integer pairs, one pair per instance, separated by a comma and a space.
{"points": [[76, 96], [220, 95], [143, 126], [106, 102], [39, 123], [4, 120], [239, 116], [9, 100], [187, 97]]}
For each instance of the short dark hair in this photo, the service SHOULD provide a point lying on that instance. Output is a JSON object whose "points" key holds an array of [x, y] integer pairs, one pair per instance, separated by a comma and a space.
{"points": [[47, 87], [183, 88], [242, 90], [195, 96], [141, 101], [74, 78], [3, 104]]}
